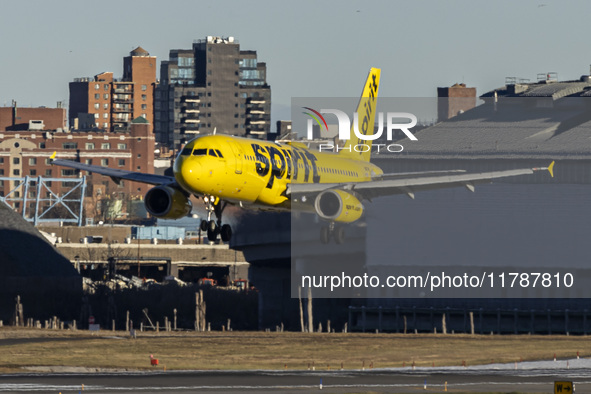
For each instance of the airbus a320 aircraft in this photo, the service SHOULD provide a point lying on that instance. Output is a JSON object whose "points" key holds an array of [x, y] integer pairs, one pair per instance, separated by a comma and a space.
{"points": [[222, 169]]}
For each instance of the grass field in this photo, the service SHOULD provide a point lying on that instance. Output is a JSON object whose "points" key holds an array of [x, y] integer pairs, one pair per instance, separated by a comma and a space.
{"points": [[21, 348]]}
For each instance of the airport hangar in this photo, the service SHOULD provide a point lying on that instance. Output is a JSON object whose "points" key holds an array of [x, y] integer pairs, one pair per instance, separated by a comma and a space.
{"points": [[531, 223], [32, 269]]}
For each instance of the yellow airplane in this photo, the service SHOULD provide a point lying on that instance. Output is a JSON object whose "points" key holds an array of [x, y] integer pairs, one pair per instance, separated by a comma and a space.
{"points": [[256, 174]]}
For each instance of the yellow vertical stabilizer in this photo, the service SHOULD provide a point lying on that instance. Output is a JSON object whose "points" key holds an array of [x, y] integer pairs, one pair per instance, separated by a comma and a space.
{"points": [[357, 147]]}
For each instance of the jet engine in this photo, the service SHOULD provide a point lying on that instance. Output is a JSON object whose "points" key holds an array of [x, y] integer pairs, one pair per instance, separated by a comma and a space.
{"points": [[166, 202], [338, 206]]}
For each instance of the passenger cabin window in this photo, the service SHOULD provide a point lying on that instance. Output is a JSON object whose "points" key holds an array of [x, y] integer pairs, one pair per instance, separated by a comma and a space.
{"points": [[199, 152]]}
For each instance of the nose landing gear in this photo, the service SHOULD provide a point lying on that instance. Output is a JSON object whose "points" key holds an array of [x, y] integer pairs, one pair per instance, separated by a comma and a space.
{"points": [[215, 227]]}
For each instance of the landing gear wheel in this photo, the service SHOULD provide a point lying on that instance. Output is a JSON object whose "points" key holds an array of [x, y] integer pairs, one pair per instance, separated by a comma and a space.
{"points": [[324, 235], [212, 231], [339, 235], [212, 235], [226, 233], [216, 207]]}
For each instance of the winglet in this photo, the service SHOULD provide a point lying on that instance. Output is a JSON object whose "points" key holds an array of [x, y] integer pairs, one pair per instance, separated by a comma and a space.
{"points": [[53, 155], [551, 169]]}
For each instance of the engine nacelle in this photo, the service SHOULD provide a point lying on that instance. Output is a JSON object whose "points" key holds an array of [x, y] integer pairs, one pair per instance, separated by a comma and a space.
{"points": [[338, 206], [166, 202]]}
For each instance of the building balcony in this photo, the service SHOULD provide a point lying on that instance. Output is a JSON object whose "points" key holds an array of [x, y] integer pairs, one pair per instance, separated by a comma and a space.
{"points": [[193, 126], [189, 120], [190, 99], [190, 129], [123, 100], [256, 111], [191, 106], [256, 122], [122, 110], [258, 117], [190, 115], [257, 130], [124, 116], [255, 101], [258, 127], [122, 91]]}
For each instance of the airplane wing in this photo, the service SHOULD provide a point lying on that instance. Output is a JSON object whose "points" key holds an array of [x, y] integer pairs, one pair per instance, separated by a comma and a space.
{"points": [[415, 173], [408, 186], [116, 174]]}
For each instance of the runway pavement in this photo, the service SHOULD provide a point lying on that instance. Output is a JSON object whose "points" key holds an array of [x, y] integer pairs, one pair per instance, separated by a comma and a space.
{"points": [[526, 377]]}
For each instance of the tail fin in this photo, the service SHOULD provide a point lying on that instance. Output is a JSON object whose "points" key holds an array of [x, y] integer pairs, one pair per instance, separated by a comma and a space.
{"points": [[356, 147]]}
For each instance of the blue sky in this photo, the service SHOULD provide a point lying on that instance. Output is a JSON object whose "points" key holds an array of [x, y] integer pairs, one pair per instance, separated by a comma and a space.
{"points": [[312, 48]]}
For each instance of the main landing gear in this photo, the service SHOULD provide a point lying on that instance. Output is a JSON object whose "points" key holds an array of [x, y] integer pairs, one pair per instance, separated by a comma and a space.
{"points": [[215, 227], [336, 232]]}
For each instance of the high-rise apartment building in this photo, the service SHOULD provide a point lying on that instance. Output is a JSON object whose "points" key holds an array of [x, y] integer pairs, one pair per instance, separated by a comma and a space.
{"points": [[213, 86], [103, 102]]}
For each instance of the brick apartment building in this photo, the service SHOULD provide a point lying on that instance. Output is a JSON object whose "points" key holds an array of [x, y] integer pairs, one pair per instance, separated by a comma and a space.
{"points": [[212, 86], [27, 153], [102, 102], [16, 118]]}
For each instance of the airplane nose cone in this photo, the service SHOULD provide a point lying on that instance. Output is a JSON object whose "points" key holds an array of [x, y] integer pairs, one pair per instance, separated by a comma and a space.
{"points": [[189, 174]]}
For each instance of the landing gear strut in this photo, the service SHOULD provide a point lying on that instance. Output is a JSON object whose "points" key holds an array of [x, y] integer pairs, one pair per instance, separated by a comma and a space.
{"points": [[337, 232], [215, 227]]}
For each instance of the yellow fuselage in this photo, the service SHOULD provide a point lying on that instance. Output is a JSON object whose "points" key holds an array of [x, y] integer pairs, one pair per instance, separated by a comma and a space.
{"points": [[242, 170]]}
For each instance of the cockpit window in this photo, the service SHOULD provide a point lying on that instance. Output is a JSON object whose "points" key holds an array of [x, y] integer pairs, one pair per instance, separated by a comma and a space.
{"points": [[186, 151], [212, 153], [199, 152], [219, 153]]}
